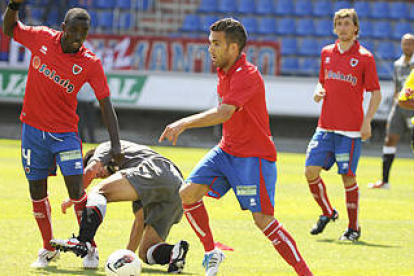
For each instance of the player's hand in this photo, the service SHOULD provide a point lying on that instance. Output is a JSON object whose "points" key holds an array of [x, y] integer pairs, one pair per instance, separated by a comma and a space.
{"points": [[319, 94], [172, 131], [365, 130], [65, 205], [91, 172]]}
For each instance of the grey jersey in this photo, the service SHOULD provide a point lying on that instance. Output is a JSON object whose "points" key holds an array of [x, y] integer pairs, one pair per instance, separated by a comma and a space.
{"points": [[134, 154], [401, 72]]}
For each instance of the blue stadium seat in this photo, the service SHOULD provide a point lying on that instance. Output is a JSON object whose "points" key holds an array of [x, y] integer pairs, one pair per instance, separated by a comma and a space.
{"points": [[37, 14], [380, 10], [207, 21], [309, 66], [250, 23], [267, 26], [368, 44], [53, 18], [309, 47], [381, 29], [400, 29], [265, 7], [124, 4], [191, 23], [104, 4], [144, 5], [125, 21], [365, 28], [322, 8], [342, 5], [290, 65], [398, 10], [227, 6], [106, 19], [285, 8], [324, 27], [386, 50], [305, 27], [385, 69], [208, 6], [288, 46], [325, 42], [362, 8], [411, 12], [286, 26], [246, 7], [303, 7], [94, 18]]}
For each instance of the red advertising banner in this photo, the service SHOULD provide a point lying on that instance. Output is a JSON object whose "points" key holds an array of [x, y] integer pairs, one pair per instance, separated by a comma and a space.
{"points": [[150, 53]]}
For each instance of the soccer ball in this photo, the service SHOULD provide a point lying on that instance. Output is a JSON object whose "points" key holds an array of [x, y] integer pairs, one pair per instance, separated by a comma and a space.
{"points": [[123, 262]]}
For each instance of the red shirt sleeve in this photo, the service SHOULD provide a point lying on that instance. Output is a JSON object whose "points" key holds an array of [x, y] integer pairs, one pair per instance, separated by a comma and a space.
{"points": [[321, 71], [371, 82], [98, 81], [242, 88], [28, 36]]}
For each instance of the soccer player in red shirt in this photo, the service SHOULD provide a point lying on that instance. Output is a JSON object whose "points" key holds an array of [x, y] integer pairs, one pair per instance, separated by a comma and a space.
{"points": [[245, 159], [347, 70], [59, 67]]}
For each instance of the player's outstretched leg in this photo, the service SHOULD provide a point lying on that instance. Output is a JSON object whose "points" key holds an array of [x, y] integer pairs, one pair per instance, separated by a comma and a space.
{"points": [[283, 242], [212, 260], [79, 248], [323, 221]]}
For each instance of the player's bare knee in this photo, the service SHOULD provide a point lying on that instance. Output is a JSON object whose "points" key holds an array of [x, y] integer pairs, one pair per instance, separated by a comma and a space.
{"points": [[311, 173], [262, 220], [191, 193]]}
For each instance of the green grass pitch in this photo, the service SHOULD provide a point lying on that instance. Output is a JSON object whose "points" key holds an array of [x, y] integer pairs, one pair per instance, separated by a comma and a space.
{"points": [[386, 216]]}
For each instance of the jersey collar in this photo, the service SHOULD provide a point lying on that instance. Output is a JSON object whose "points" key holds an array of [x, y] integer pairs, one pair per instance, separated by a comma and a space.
{"points": [[354, 48], [240, 61]]}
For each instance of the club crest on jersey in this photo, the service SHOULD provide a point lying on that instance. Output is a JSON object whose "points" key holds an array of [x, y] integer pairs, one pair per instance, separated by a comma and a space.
{"points": [[327, 60], [76, 69], [353, 62], [52, 75]]}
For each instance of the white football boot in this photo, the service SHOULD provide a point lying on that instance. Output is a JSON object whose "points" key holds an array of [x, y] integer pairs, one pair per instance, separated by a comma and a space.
{"points": [[212, 261], [91, 260], [45, 257]]}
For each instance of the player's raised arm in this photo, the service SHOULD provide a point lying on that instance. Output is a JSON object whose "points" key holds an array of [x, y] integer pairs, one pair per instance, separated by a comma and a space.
{"points": [[11, 16], [111, 122]]}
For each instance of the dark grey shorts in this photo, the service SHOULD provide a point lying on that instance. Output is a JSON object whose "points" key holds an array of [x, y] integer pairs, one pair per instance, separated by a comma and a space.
{"points": [[399, 120], [157, 183]]}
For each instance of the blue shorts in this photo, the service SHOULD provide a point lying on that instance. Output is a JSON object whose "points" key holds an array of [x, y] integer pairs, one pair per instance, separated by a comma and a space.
{"points": [[327, 148], [41, 151], [252, 179]]}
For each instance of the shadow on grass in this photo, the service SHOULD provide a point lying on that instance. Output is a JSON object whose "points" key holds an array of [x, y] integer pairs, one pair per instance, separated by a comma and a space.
{"points": [[100, 271], [148, 270], [356, 243], [76, 271]]}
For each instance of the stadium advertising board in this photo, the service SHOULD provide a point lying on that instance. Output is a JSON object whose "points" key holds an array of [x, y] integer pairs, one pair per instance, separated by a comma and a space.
{"points": [[155, 54], [286, 96]]}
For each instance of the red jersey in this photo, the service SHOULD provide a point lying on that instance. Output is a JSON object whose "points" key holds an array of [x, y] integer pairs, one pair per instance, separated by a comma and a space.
{"points": [[247, 132], [345, 76], [54, 79]]}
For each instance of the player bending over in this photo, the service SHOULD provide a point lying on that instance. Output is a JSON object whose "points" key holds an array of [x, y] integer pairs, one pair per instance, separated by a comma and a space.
{"points": [[152, 183]]}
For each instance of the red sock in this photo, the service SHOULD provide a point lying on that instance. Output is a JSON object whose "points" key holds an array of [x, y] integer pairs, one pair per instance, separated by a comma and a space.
{"points": [[352, 204], [197, 216], [318, 190], [78, 206], [286, 246], [42, 213]]}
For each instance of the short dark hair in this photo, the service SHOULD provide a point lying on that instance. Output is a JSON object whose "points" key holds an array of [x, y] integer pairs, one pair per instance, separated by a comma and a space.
{"points": [[87, 157], [234, 30], [77, 13]]}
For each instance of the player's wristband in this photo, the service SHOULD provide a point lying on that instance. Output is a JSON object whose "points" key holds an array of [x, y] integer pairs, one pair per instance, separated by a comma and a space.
{"points": [[13, 6]]}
